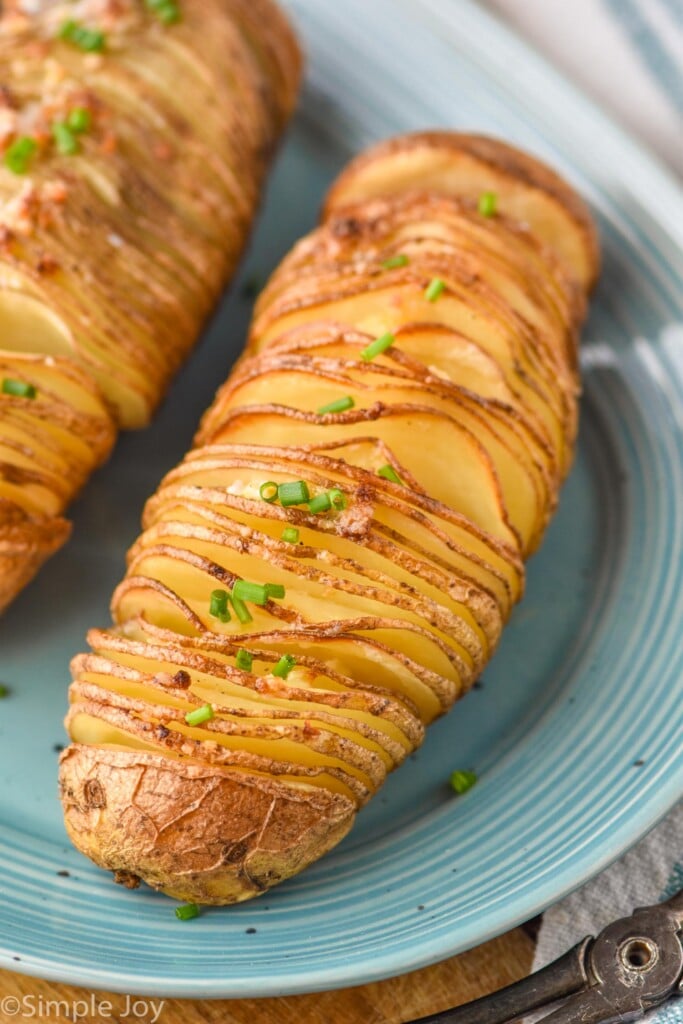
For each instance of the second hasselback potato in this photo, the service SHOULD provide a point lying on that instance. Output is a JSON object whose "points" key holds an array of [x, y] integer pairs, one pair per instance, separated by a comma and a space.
{"points": [[331, 567], [134, 139]]}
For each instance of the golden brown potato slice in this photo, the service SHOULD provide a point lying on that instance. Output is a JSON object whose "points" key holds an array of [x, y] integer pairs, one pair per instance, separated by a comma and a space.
{"points": [[463, 165], [55, 428]]}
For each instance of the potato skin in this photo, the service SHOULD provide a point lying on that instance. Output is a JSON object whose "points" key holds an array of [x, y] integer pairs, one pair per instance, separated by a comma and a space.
{"points": [[194, 832]]}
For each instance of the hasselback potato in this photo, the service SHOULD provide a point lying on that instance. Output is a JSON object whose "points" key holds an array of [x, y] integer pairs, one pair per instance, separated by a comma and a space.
{"points": [[332, 565], [133, 142]]}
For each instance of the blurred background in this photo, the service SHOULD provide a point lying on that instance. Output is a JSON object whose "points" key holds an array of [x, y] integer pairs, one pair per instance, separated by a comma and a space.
{"points": [[626, 54]]}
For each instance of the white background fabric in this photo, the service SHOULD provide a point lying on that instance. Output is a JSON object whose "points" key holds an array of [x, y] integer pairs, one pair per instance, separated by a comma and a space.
{"points": [[626, 54]]}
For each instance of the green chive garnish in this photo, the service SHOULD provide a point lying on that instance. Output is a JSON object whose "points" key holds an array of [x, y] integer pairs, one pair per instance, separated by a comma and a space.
{"points": [[341, 405], [401, 260], [434, 289], [375, 348], [254, 592], [244, 660], [166, 10], [321, 503], [18, 156], [3, 690], [218, 606], [18, 388], [488, 203], [337, 499], [389, 473], [65, 140], [268, 491], [79, 120], [90, 40], [284, 666], [275, 590], [294, 493], [241, 610], [461, 781], [169, 14], [290, 535], [187, 911], [200, 715]]}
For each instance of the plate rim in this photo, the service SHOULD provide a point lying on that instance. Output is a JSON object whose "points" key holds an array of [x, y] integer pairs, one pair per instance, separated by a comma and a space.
{"points": [[649, 178]]}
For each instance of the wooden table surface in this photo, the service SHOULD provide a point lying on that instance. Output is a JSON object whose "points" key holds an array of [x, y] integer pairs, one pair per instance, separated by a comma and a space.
{"points": [[394, 1001]]}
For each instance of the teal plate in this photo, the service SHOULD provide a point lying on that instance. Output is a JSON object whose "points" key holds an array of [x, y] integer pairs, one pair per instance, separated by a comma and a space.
{"points": [[577, 730]]}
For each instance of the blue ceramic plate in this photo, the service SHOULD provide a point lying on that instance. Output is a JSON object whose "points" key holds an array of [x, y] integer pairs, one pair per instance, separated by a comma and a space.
{"points": [[576, 733]]}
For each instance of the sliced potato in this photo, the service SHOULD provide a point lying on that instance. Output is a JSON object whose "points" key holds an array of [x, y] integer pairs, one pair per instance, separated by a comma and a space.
{"points": [[458, 164], [331, 567], [112, 254]]}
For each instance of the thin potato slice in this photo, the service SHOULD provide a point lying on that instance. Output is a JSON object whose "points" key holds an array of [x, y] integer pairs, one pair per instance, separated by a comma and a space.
{"points": [[458, 164]]}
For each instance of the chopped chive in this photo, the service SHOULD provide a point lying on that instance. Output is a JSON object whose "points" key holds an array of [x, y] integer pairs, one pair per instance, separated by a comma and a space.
{"points": [[218, 606], [199, 715], [65, 140], [337, 499], [254, 592], [241, 610], [488, 203], [434, 289], [321, 503], [293, 493], [67, 29], [275, 590], [4, 691], [18, 156], [18, 388], [187, 911], [268, 491], [389, 473], [461, 781], [400, 260], [244, 660], [341, 405], [169, 14], [166, 10], [284, 666], [376, 347], [79, 120], [290, 535], [90, 40]]}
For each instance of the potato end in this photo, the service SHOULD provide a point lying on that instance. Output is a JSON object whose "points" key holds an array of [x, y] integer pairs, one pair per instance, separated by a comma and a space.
{"points": [[26, 542], [196, 833], [377, 171]]}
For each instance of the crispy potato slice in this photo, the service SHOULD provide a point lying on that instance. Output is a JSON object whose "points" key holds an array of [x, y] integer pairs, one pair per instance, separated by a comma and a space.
{"points": [[465, 165], [55, 429], [26, 542]]}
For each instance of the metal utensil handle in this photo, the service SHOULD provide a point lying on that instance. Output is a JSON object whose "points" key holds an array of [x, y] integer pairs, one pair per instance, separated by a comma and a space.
{"points": [[561, 978]]}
